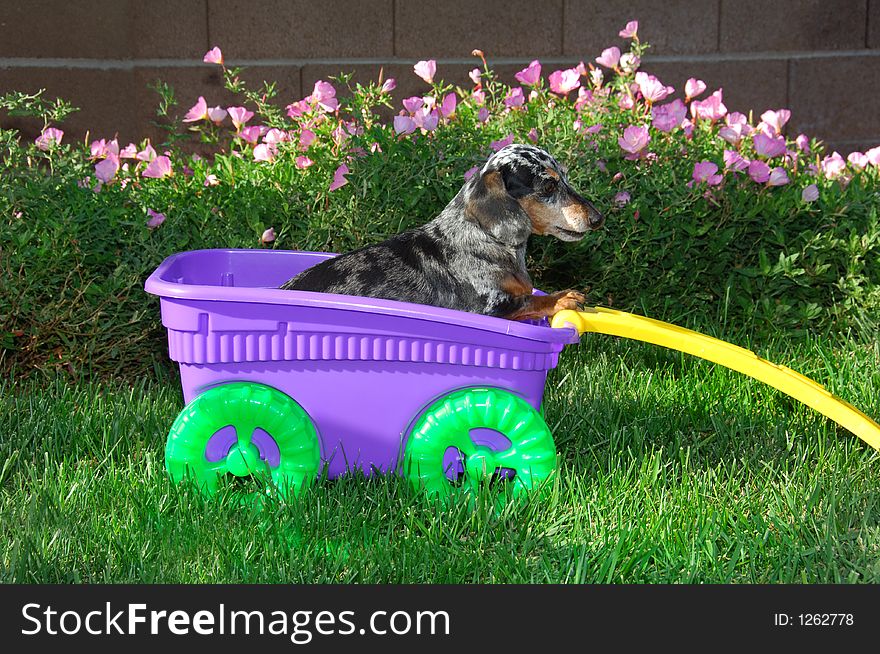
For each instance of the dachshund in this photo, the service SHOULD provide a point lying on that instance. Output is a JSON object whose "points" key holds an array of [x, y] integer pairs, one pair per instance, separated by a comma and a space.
{"points": [[471, 257]]}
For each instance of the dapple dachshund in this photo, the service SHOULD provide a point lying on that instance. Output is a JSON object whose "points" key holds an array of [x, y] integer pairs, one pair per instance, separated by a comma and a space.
{"points": [[472, 256]]}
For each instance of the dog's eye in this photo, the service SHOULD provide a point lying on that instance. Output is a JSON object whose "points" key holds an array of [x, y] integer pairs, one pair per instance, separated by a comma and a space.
{"points": [[547, 188]]}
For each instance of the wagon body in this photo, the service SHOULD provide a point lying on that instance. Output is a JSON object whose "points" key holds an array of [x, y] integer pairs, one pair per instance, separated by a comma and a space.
{"points": [[363, 369]]}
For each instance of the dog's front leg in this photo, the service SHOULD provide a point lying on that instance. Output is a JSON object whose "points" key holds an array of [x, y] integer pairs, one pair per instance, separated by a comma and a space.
{"points": [[530, 307]]}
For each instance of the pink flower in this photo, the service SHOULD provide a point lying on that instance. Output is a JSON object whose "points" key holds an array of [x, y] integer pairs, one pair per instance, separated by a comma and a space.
{"points": [[687, 127], [211, 180], [621, 199], [610, 57], [666, 117], [98, 149], [585, 97], [833, 165], [858, 160], [199, 111], [778, 177], [731, 133], [303, 162], [652, 88], [625, 101], [339, 177], [128, 152], [769, 146], [705, 171], [389, 85], [339, 135], [426, 70], [470, 172], [502, 143], [239, 116], [306, 138], [427, 119], [810, 193], [533, 135], [447, 107], [268, 236], [483, 114], [629, 62], [413, 104], [873, 156], [156, 219], [693, 87], [712, 108], [106, 170], [213, 56], [634, 139], [404, 125], [49, 137], [515, 98], [475, 76], [803, 143], [264, 152], [564, 81], [147, 154], [759, 171], [735, 118], [252, 133], [776, 119], [158, 168], [298, 108], [275, 136], [324, 95], [217, 115], [631, 30], [530, 74], [479, 97], [734, 161]]}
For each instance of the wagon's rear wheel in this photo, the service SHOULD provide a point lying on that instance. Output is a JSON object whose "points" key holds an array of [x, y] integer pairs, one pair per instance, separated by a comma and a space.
{"points": [[243, 429], [479, 434]]}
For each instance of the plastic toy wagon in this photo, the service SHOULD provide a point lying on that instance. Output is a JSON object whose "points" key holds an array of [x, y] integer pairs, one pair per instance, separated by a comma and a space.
{"points": [[286, 384]]}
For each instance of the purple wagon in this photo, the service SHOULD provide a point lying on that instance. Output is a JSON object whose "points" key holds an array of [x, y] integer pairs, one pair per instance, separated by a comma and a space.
{"points": [[284, 384]]}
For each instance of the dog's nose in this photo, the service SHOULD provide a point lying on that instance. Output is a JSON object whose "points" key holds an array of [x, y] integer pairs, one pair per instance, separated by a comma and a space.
{"points": [[596, 219]]}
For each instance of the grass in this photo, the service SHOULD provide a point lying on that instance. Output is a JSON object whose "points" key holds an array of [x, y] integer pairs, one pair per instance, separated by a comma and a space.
{"points": [[672, 470]]}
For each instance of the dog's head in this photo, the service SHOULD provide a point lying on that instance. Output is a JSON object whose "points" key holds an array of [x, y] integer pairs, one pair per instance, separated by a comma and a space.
{"points": [[522, 190]]}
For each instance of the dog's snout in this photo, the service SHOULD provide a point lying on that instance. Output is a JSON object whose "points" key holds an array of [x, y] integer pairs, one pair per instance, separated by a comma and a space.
{"points": [[594, 219], [590, 217]]}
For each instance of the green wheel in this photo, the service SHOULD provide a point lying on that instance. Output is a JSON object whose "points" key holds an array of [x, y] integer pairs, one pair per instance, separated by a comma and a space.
{"points": [[441, 446], [243, 429]]}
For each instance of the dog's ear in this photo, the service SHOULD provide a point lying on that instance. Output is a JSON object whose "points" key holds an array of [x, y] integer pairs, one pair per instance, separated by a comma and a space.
{"points": [[489, 204]]}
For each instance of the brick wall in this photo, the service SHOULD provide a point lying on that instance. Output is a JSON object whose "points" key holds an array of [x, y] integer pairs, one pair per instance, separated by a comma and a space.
{"points": [[820, 58]]}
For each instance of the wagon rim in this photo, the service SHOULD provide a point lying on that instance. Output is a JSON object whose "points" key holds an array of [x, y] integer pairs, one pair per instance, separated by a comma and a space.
{"points": [[244, 429], [523, 453]]}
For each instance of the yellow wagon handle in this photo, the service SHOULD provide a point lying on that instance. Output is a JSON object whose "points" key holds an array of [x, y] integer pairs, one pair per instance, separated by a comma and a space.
{"points": [[627, 325]]}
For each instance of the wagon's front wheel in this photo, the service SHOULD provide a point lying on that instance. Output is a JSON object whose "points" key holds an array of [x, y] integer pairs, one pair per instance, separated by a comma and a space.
{"points": [[243, 429], [479, 434]]}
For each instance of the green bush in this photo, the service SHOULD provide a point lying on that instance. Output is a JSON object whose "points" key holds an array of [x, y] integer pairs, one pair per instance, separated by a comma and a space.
{"points": [[683, 241]]}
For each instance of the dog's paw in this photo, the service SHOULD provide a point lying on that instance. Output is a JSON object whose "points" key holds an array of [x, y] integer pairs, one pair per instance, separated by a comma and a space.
{"points": [[569, 299]]}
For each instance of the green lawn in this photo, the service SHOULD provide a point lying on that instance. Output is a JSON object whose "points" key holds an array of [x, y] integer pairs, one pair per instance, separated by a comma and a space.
{"points": [[672, 470]]}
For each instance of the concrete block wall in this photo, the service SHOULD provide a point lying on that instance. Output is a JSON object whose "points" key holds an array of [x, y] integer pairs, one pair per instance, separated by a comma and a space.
{"points": [[820, 58]]}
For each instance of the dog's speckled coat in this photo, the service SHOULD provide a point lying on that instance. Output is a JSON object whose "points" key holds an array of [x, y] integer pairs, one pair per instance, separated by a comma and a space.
{"points": [[472, 256]]}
